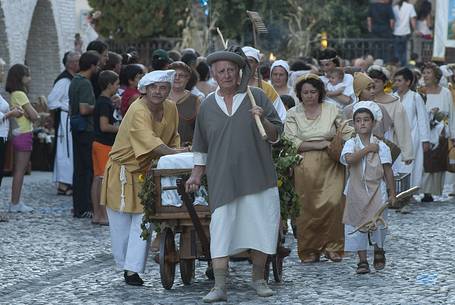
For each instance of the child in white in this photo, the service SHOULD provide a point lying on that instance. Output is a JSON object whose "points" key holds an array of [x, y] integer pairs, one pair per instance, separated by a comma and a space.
{"points": [[370, 175], [337, 91]]}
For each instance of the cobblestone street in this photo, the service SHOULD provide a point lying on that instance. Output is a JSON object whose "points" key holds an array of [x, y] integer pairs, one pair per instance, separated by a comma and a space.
{"points": [[49, 257]]}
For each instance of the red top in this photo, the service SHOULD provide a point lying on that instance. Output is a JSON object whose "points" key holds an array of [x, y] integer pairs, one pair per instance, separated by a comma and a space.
{"points": [[127, 96]]}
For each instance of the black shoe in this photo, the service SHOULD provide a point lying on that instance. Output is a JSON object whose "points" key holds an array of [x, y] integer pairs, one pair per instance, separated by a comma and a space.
{"points": [[427, 198], [133, 279]]}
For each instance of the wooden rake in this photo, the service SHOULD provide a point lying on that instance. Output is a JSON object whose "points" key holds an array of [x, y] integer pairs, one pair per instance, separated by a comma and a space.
{"points": [[373, 224]]}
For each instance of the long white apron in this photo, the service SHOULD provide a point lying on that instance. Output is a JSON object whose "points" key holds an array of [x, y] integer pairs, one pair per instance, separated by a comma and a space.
{"points": [[63, 165]]}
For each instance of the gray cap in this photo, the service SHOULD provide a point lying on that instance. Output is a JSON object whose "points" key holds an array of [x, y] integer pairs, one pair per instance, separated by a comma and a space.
{"points": [[226, 55]]}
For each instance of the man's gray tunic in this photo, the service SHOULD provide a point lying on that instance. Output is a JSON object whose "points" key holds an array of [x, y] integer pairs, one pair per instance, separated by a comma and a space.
{"points": [[239, 161]]}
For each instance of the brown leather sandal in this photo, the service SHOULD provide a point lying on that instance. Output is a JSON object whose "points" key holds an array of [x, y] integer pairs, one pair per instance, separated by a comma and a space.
{"points": [[363, 267], [379, 259]]}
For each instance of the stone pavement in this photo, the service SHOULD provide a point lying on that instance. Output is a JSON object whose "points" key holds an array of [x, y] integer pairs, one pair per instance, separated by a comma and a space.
{"points": [[48, 257]]}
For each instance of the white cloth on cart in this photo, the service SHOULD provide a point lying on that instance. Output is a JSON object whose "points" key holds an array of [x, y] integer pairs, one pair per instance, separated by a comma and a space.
{"points": [[183, 160]]}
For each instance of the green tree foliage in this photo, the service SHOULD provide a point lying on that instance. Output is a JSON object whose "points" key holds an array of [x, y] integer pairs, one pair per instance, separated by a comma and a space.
{"points": [[136, 19], [343, 18], [339, 18]]}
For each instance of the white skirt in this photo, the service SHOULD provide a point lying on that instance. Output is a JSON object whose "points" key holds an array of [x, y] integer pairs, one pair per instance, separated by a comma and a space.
{"points": [[248, 222], [359, 241]]}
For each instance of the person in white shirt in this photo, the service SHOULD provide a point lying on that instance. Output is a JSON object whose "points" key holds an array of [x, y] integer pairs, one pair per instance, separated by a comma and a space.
{"points": [[405, 17], [416, 111], [58, 103], [5, 114]]}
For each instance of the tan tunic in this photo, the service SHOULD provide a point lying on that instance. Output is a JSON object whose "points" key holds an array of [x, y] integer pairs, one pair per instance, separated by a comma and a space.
{"points": [[363, 196], [132, 153], [401, 128]]}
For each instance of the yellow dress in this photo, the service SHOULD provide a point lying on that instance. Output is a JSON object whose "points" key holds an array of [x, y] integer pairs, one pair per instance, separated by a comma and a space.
{"points": [[132, 153], [318, 181]]}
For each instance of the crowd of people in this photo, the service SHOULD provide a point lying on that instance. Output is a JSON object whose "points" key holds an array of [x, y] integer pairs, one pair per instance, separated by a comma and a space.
{"points": [[397, 21], [114, 115]]}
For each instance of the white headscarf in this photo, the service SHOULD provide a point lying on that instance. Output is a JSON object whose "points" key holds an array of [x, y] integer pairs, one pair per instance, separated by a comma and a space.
{"points": [[380, 69], [280, 63], [159, 76], [252, 52], [371, 106]]}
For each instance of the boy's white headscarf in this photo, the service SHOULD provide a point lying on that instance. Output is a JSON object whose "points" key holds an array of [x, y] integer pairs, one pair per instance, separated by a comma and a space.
{"points": [[371, 106]]}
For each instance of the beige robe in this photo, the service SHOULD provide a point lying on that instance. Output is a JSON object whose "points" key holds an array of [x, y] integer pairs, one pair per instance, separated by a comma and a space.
{"points": [[132, 153], [401, 128]]}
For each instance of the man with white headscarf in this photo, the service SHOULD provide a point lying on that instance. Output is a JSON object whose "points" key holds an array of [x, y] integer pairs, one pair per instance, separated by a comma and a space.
{"points": [[254, 58], [148, 130]]}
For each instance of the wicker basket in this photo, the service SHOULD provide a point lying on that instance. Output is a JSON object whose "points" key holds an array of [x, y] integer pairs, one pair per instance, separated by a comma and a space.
{"points": [[402, 183]]}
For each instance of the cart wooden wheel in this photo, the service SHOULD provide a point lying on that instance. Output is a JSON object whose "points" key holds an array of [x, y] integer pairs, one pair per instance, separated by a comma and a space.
{"points": [[267, 268], [187, 267], [167, 258], [277, 267], [209, 271]]}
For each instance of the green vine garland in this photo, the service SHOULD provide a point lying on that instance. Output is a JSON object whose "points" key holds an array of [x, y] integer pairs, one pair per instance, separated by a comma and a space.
{"points": [[285, 157], [147, 196]]}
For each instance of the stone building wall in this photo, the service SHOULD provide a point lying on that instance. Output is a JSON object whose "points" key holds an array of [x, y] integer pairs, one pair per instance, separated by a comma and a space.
{"points": [[37, 33]]}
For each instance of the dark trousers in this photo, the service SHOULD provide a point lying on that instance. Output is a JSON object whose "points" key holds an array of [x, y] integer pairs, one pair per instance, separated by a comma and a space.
{"points": [[83, 171], [400, 49], [2, 157]]}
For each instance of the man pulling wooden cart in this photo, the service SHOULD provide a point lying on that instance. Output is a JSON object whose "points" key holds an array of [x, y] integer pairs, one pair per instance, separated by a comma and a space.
{"points": [[229, 147]]}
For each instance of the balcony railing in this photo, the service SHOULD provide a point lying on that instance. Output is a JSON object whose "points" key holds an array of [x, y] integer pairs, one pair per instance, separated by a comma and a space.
{"points": [[350, 48]]}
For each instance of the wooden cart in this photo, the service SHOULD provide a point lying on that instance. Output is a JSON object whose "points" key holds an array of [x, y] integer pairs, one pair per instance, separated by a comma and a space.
{"points": [[192, 224]]}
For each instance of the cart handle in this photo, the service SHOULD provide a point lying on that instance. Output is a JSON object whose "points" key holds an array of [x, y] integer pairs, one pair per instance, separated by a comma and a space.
{"points": [[205, 244]]}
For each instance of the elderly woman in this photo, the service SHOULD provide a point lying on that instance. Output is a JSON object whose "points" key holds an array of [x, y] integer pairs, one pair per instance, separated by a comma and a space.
{"points": [[319, 180], [401, 130], [440, 105], [418, 119], [187, 103], [148, 130]]}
